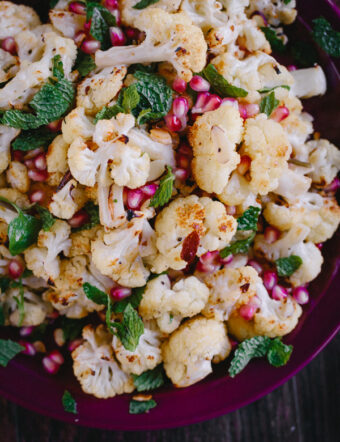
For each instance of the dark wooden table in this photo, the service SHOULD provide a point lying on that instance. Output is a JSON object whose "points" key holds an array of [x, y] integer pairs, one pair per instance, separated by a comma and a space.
{"points": [[305, 409]]}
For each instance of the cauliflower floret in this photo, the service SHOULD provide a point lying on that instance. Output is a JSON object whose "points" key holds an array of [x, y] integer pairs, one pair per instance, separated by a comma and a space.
{"points": [[95, 367], [81, 242], [8, 214], [129, 14], [5, 257], [8, 66], [3, 231], [325, 159], [31, 43], [146, 356], [68, 23], [292, 243], [14, 18], [238, 193], [266, 143], [190, 350], [170, 305], [44, 260], [117, 253], [193, 223], [272, 318], [276, 11], [77, 124], [328, 222], [309, 82], [35, 309], [298, 128], [228, 289], [7, 135], [169, 37], [67, 201], [206, 14], [31, 75], [17, 176], [56, 160], [99, 89], [214, 137], [293, 184], [112, 212]]}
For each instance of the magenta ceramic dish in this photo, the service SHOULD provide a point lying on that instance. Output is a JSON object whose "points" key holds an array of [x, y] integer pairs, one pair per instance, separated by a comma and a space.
{"points": [[26, 383]]}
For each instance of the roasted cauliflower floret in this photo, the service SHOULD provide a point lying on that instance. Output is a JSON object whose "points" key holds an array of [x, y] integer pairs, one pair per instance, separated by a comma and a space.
{"points": [[191, 226], [95, 367], [81, 242], [292, 243], [7, 135], [66, 22], [15, 18], [309, 82], [169, 37], [170, 305], [8, 66], [129, 14], [229, 288], [293, 185], [266, 144], [146, 356], [17, 176], [238, 193], [276, 11], [272, 318], [97, 90], [67, 201], [190, 350], [56, 160], [325, 159], [77, 124], [214, 137], [328, 222]]}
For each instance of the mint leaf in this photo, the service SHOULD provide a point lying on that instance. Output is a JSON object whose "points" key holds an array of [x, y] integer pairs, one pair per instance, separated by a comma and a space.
{"points": [[286, 2], [139, 407], [279, 353], [46, 217], [268, 104], [248, 220], [93, 212], [287, 266], [101, 20], [94, 294], [266, 90], [130, 329], [276, 43], [106, 113], [144, 115], [131, 98], [164, 191], [32, 139], [8, 350], [256, 347], [22, 232], [326, 37], [57, 67], [241, 246], [69, 404], [134, 300], [72, 328], [304, 54], [144, 4], [149, 380], [20, 300], [84, 63], [220, 85], [2, 315]]}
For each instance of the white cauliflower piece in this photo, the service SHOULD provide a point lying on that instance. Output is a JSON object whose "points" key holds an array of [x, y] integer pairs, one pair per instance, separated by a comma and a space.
{"points": [[228, 289], [169, 37], [238, 193], [298, 128], [95, 367], [266, 143], [77, 124], [276, 11], [67, 201], [31, 42], [97, 90], [7, 135], [202, 220], [309, 82], [112, 212], [35, 309], [272, 318], [292, 243], [56, 160], [81, 242], [328, 222], [33, 75], [117, 253], [15, 18], [206, 14], [214, 137], [129, 14], [168, 306], [325, 159], [293, 184], [146, 356], [68, 23], [17, 176], [5, 257], [8, 66], [7, 214], [190, 350]]}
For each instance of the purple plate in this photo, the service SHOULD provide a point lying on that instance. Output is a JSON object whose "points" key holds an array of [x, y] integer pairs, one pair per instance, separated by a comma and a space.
{"points": [[26, 383]]}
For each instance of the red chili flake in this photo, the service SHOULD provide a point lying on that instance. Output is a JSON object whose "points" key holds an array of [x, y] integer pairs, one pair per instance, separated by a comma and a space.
{"points": [[190, 246]]}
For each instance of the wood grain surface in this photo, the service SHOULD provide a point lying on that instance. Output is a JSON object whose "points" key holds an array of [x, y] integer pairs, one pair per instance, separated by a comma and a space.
{"points": [[305, 409]]}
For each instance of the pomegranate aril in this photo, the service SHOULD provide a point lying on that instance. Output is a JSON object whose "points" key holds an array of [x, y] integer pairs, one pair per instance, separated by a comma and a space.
{"points": [[202, 99], [333, 186], [29, 348], [149, 189], [38, 175], [55, 126], [33, 153], [199, 84], [56, 356], [301, 295], [117, 36], [79, 38], [26, 331], [319, 245], [59, 337], [181, 174], [135, 199], [244, 165], [179, 85], [119, 293], [9, 45], [50, 365], [280, 114], [111, 4], [29, 164], [183, 161], [16, 268], [40, 162], [257, 266], [248, 110], [292, 67], [74, 344], [271, 234], [117, 16], [131, 33], [87, 26], [180, 107], [247, 311], [90, 46], [279, 292], [173, 123], [269, 279], [210, 262], [77, 8], [79, 219], [37, 196], [213, 103]]}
